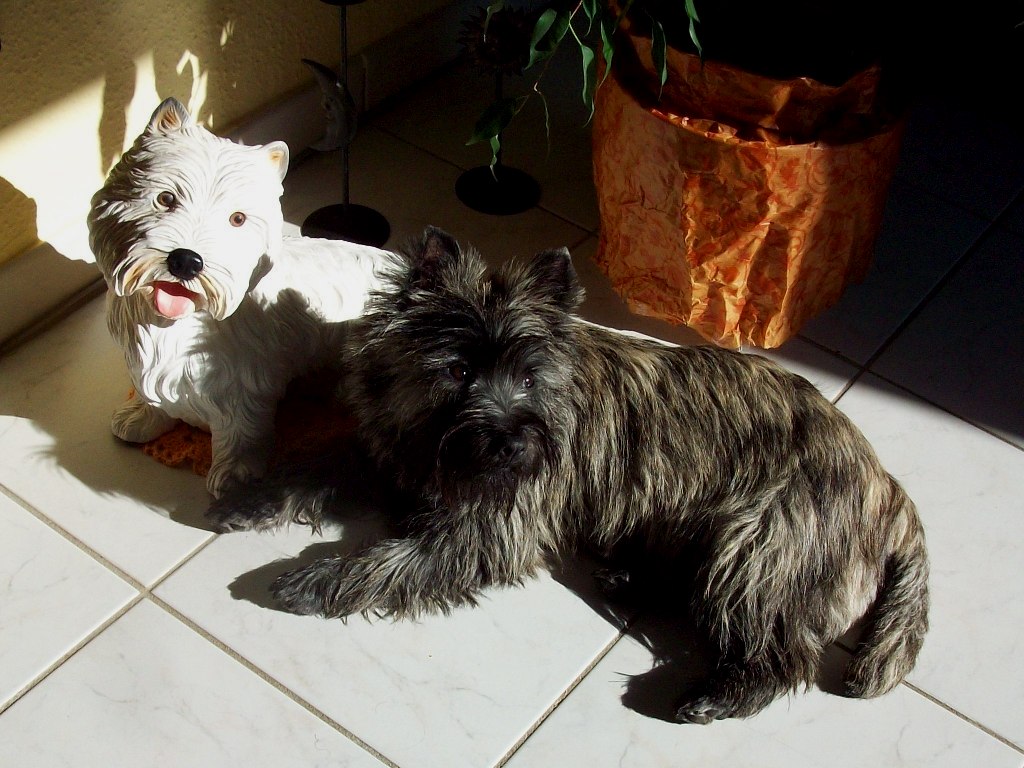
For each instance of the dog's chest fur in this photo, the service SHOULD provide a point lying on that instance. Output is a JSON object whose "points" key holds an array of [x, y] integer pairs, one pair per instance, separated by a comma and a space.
{"points": [[193, 368]]}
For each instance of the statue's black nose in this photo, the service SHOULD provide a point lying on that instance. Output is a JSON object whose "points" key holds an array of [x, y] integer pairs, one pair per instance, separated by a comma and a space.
{"points": [[184, 264]]}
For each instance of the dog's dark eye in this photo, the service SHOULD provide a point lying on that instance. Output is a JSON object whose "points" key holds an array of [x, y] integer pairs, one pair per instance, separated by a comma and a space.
{"points": [[528, 381], [237, 219], [166, 200], [458, 371]]}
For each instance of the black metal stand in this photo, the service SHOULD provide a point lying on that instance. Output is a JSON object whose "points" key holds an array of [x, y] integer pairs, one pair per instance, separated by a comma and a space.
{"points": [[346, 220], [498, 190]]}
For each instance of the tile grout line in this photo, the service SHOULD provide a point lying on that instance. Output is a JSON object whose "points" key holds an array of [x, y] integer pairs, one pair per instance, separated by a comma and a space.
{"points": [[598, 658], [68, 655], [969, 720], [929, 295], [101, 559], [141, 590], [267, 678], [856, 378], [146, 593], [938, 702], [980, 427], [72, 539]]}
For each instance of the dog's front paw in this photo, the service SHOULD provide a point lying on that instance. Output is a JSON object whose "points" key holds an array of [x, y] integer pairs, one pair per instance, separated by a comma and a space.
{"points": [[230, 473], [316, 589], [700, 711], [138, 422], [226, 515]]}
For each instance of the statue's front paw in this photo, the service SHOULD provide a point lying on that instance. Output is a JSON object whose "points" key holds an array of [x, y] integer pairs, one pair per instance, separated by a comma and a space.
{"points": [[235, 468], [139, 422]]}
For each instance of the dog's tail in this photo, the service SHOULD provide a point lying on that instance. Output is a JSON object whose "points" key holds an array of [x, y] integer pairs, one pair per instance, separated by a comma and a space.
{"points": [[899, 619]]}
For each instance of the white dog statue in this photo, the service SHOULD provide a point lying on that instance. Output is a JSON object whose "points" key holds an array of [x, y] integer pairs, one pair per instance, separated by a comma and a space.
{"points": [[216, 311]]}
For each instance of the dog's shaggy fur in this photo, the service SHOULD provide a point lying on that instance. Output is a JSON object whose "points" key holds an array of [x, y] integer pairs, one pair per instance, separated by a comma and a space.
{"points": [[523, 430], [215, 311]]}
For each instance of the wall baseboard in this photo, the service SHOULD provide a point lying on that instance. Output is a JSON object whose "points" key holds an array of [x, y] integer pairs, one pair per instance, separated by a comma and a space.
{"points": [[41, 286]]}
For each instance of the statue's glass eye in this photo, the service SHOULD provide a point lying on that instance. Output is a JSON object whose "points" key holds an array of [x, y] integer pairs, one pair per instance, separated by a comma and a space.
{"points": [[458, 371], [166, 200], [237, 219]]}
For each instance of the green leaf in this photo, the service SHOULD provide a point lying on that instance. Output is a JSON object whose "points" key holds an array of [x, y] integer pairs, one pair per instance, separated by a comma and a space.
{"points": [[589, 71], [493, 8], [495, 118], [691, 12], [495, 152], [659, 53], [547, 34], [592, 9], [608, 26]]}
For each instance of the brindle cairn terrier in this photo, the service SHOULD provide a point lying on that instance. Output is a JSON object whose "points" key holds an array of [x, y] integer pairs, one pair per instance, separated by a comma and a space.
{"points": [[523, 430]]}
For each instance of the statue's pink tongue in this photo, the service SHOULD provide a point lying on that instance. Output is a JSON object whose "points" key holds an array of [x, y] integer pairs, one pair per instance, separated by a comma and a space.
{"points": [[173, 300]]}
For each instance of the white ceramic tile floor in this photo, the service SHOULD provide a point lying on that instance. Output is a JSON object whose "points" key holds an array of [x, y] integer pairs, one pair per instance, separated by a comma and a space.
{"points": [[131, 635]]}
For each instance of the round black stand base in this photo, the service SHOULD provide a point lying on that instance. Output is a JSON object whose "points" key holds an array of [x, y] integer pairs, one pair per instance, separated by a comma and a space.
{"points": [[355, 223], [514, 191]]}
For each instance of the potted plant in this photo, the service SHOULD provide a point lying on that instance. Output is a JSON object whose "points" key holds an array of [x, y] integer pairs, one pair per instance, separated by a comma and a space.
{"points": [[742, 151]]}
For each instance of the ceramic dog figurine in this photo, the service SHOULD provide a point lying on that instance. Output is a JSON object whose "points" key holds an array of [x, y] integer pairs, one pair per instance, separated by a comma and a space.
{"points": [[216, 311]]}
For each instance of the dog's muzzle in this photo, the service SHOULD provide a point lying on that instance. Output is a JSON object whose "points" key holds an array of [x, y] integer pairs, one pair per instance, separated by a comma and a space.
{"points": [[184, 264]]}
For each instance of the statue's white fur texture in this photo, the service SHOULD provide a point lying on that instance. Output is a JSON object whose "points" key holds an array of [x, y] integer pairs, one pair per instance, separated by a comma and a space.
{"points": [[215, 310]]}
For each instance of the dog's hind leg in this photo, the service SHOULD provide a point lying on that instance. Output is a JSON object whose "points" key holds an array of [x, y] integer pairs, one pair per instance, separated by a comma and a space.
{"points": [[136, 421], [737, 689]]}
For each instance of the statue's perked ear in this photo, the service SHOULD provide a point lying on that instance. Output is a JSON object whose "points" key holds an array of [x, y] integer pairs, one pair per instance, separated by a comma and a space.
{"points": [[277, 151], [169, 117]]}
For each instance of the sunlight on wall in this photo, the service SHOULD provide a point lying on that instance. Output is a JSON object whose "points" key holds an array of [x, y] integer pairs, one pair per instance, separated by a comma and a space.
{"points": [[55, 156], [226, 32], [197, 98], [85, 82], [140, 109]]}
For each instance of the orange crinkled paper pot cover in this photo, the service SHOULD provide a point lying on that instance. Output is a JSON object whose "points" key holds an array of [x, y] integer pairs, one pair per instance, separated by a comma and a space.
{"points": [[309, 421], [724, 222]]}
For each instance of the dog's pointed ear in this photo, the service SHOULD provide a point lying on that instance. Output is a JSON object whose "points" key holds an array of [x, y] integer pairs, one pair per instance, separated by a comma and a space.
{"points": [[552, 275], [436, 251], [277, 151], [169, 117]]}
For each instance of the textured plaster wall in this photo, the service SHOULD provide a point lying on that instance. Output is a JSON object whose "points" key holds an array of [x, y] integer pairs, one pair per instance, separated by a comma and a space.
{"points": [[78, 81]]}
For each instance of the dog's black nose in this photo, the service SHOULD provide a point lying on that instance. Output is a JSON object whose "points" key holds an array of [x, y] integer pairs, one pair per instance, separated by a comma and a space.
{"points": [[184, 264], [511, 448]]}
